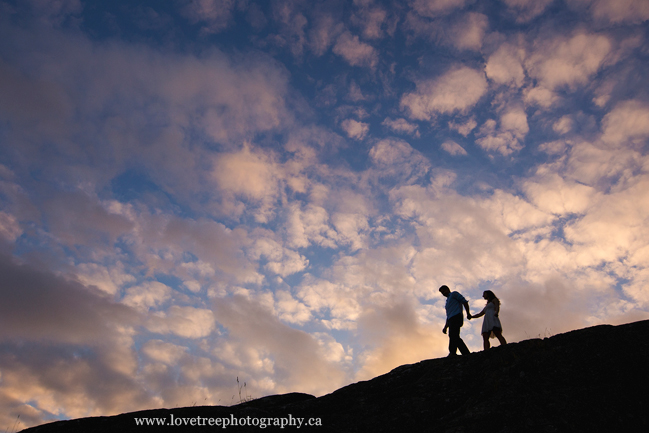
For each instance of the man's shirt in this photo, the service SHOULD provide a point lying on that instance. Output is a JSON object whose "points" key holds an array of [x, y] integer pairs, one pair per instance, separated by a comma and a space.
{"points": [[454, 304]]}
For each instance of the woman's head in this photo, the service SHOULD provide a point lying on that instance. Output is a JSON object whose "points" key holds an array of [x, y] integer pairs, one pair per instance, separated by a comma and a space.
{"points": [[488, 295]]}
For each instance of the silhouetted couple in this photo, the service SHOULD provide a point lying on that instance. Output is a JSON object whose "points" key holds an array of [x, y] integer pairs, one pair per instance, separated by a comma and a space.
{"points": [[454, 320]]}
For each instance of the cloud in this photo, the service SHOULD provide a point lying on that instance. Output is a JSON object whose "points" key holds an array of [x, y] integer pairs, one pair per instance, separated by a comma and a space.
{"points": [[164, 352], [323, 33], [147, 295], [294, 354], [372, 20], [71, 381], [464, 128], [469, 31], [453, 148], [526, 10], [435, 8], [355, 52], [355, 129], [280, 261], [563, 125], [568, 62], [456, 91], [401, 126], [149, 170], [38, 305], [505, 66], [309, 224], [396, 159], [627, 122], [108, 279], [541, 96], [248, 173], [506, 140], [188, 322], [163, 240], [553, 194], [292, 24], [396, 336], [217, 14], [614, 11], [76, 218], [9, 227], [464, 31]]}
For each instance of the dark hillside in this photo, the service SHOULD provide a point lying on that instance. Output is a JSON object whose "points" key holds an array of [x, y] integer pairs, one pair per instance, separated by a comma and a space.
{"points": [[593, 379]]}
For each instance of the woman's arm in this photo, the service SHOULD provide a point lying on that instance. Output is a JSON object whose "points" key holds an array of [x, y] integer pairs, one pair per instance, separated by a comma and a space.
{"points": [[480, 314]]}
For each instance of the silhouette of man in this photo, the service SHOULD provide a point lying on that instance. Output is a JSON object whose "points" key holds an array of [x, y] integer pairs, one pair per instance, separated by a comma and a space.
{"points": [[454, 320]]}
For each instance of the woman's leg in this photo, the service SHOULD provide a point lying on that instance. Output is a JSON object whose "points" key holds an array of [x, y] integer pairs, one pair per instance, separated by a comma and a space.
{"points": [[499, 336], [485, 337]]}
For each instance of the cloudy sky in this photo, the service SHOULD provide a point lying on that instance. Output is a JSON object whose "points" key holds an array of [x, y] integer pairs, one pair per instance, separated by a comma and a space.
{"points": [[196, 191]]}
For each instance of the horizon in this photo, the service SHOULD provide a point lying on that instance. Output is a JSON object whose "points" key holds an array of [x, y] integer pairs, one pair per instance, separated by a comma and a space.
{"points": [[195, 191]]}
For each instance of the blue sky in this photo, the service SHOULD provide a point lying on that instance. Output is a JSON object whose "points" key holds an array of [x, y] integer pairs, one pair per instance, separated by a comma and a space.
{"points": [[193, 191]]}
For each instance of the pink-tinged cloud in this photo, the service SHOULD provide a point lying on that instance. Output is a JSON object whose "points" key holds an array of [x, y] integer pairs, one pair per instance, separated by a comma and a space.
{"points": [[355, 52], [456, 91]]}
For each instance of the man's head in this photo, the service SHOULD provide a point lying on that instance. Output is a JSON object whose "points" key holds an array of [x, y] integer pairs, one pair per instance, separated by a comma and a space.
{"points": [[444, 290]]}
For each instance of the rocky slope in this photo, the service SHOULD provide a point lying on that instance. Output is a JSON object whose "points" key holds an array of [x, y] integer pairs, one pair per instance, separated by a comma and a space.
{"points": [[593, 379]]}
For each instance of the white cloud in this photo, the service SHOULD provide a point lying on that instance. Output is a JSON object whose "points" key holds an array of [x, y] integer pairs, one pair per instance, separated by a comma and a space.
{"points": [[323, 33], [251, 174], [217, 14], [355, 52], [187, 322], [469, 31], [514, 213], [355, 129], [435, 8], [291, 310], [107, 279], [309, 224], [9, 227], [568, 62], [396, 336], [525, 10], [453, 148], [541, 96], [627, 122], [164, 352], [464, 128], [553, 194], [505, 66], [615, 11], [599, 165], [351, 228], [148, 295], [294, 354], [280, 261], [401, 126], [507, 139], [563, 125], [456, 91], [398, 160], [372, 20], [334, 304]]}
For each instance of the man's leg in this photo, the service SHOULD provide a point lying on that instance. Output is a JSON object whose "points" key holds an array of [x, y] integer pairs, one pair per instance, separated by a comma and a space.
{"points": [[454, 334], [455, 342]]}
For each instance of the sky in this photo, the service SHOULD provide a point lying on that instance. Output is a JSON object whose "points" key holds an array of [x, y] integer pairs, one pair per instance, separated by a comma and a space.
{"points": [[195, 192]]}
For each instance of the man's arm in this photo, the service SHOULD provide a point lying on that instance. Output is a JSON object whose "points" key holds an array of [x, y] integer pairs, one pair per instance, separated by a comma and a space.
{"points": [[445, 327], [468, 313]]}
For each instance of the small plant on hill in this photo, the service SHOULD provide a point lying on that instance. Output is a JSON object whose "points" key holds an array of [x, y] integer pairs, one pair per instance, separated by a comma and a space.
{"points": [[245, 397]]}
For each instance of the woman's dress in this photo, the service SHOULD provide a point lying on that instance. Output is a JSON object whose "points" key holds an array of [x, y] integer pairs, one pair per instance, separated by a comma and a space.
{"points": [[490, 321]]}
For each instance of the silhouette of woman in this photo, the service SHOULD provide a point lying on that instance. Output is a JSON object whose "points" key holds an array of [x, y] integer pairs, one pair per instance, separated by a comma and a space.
{"points": [[491, 326]]}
